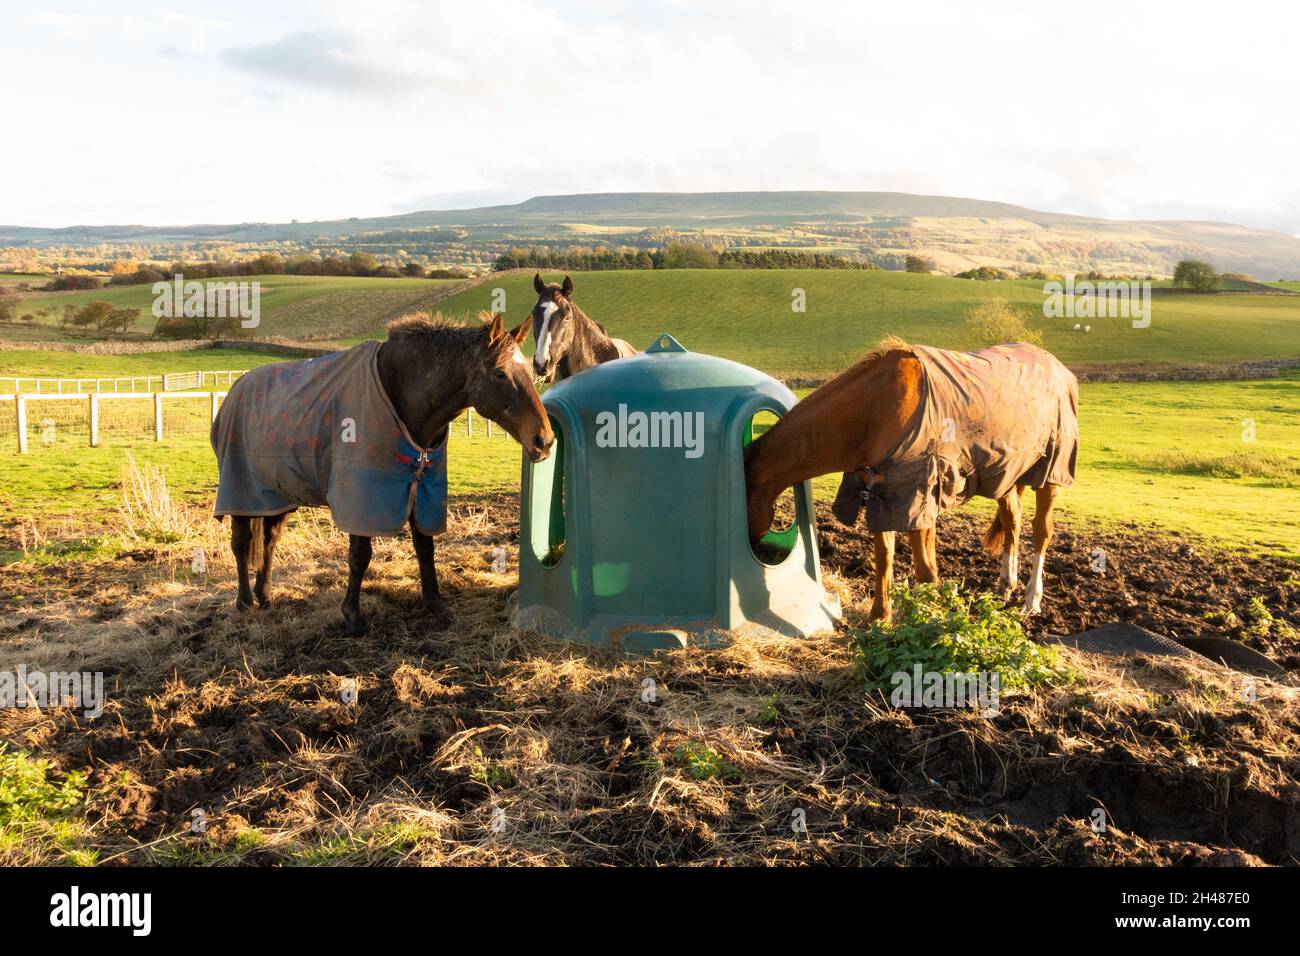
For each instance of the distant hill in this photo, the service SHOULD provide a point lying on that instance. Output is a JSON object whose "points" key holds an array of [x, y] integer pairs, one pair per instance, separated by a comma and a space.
{"points": [[956, 233]]}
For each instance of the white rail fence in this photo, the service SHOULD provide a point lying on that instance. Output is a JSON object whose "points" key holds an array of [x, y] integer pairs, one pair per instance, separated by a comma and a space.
{"points": [[122, 385], [32, 412], [53, 419]]}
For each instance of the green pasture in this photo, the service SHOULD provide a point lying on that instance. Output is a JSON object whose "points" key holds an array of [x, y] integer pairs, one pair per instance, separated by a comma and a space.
{"points": [[33, 363], [1174, 454], [71, 480], [747, 315], [291, 306], [750, 316]]}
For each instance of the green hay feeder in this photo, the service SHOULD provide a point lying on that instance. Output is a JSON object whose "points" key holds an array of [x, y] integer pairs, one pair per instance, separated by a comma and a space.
{"points": [[633, 533]]}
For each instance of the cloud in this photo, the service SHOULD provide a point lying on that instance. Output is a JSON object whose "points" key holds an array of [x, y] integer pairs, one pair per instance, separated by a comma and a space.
{"points": [[377, 106], [317, 58]]}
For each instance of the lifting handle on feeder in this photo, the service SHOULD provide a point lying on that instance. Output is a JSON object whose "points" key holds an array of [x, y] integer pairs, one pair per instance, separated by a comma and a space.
{"points": [[665, 343]]}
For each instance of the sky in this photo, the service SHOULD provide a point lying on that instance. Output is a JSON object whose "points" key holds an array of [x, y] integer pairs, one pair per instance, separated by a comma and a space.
{"points": [[179, 112]]}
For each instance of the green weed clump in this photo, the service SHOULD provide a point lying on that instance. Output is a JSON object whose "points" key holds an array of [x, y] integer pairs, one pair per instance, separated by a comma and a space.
{"points": [[39, 824], [946, 630], [704, 763]]}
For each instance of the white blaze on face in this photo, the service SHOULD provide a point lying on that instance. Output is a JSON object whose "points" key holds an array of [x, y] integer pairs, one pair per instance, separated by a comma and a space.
{"points": [[519, 357], [544, 337]]}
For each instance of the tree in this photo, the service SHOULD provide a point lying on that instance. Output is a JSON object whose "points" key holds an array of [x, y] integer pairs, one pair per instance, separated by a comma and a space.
{"points": [[8, 304], [363, 263], [413, 270], [993, 322], [94, 314], [984, 274], [199, 327], [117, 320], [73, 283], [1195, 274], [919, 264]]}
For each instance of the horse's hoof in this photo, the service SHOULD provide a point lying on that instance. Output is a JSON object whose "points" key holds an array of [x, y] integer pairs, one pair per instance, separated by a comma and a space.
{"points": [[263, 601], [438, 616], [354, 626], [241, 605]]}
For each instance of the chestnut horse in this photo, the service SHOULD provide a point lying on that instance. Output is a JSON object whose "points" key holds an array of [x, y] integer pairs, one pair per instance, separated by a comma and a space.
{"points": [[853, 424], [568, 340]]}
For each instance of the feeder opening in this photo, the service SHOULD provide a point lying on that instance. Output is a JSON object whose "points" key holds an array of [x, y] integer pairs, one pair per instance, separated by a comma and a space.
{"points": [[547, 503]]}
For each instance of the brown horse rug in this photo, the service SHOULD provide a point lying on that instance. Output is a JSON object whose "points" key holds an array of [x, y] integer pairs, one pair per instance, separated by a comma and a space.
{"points": [[324, 432], [987, 420]]}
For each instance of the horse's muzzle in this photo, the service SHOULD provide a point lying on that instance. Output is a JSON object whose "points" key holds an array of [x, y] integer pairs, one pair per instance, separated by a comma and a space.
{"points": [[540, 450]]}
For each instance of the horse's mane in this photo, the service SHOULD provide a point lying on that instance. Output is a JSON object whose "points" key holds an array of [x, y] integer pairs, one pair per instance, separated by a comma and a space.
{"points": [[852, 375], [890, 343], [432, 328], [577, 311]]}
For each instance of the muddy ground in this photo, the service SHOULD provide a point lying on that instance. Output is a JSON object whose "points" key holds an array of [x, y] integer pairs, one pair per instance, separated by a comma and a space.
{"points": [[1169, 583], [481, 745]]}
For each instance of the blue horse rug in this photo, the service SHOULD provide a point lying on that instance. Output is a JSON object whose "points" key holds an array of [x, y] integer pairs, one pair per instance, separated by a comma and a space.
{"points": [[323, 431]]}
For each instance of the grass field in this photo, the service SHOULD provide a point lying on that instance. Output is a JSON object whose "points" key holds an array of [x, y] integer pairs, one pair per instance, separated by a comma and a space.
{"points": [[292, 306], [746, 315], [1170, 454], [70, 482], [32, 362]]}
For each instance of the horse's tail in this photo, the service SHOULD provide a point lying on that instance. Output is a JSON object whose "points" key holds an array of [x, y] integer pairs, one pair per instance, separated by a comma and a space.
{"points": [[997, 538]]}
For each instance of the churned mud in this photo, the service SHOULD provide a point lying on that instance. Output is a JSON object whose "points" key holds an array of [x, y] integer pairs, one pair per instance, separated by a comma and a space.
{"points": [[481, 745], [1169, 583]]}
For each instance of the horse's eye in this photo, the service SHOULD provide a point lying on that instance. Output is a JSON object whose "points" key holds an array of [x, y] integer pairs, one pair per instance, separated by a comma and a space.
{"points": [[501, 374]]}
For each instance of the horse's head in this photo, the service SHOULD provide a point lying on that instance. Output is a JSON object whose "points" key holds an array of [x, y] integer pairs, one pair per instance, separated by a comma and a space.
{"points": [[501, 388], [553, 324], [760, 504]]}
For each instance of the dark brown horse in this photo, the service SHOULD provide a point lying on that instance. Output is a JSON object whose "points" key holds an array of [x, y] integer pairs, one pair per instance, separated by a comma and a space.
{"points": [[856, 422], [568, 340], [430, 371]]}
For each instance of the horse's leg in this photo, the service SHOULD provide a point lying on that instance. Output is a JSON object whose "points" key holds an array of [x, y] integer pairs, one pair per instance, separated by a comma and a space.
{"points": [[241, 545], [1044, 502], [359, 552], [925, 560], [1008, 519], [881, 606], [439, 616], [932, 550], [272, 528]]}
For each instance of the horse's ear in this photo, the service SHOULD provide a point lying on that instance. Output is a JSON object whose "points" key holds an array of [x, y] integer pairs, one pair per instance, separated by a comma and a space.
{"points": [[538, 284], [567, 288], [520, 331], [496, 329]]}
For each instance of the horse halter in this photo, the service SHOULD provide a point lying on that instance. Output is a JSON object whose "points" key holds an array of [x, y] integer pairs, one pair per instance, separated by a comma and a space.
{"points": [[857, 488]]}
